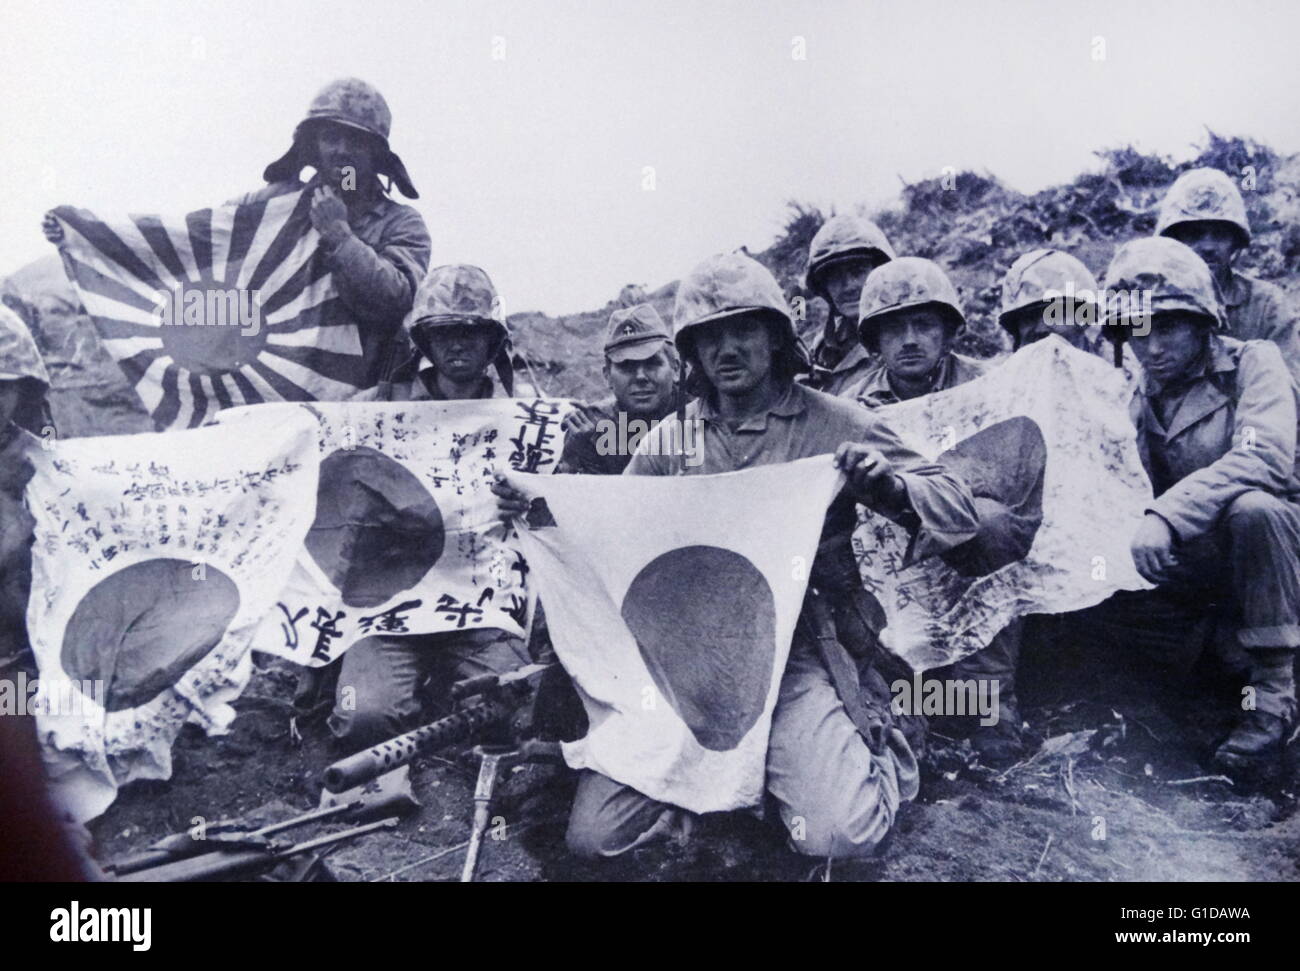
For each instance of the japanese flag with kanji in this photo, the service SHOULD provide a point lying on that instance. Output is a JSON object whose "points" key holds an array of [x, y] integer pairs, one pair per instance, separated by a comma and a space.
{"points": [[406, 537], [155, 559]]}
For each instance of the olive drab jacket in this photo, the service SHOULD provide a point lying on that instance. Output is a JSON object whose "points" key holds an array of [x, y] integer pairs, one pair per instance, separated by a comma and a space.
{"points": [[1261, 311], [843, 378], [376, 271], [1232, 430], [16, 533], [875, 391], [839, 368]]}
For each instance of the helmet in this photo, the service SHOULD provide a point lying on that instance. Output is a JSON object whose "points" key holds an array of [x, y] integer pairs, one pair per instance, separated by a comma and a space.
{"points": [[1203, 195], [19, 357], [906, 283], [459, 294], [724, 285], [636, 333], [1043, 275], [456, 294], [842, 237], [350, 102], [1170, 272]]}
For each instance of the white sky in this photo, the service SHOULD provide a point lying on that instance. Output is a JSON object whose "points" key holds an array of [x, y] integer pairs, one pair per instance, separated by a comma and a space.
{"points": [[532, 166]]}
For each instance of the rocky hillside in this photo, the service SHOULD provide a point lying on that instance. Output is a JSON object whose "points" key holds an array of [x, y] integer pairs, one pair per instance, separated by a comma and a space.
{"points": [[971, 224], [975, 227]]}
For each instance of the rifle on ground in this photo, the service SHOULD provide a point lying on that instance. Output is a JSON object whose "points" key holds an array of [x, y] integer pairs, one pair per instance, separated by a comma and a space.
{"points": [[239, 862], [229, 846], [486, 701]]}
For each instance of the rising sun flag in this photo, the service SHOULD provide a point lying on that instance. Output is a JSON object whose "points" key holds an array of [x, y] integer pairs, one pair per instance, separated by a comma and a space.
{"points": [[226, 306]]}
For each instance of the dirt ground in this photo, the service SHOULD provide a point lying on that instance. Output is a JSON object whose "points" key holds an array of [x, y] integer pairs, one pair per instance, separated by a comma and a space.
{"points": [[1110, 793]]}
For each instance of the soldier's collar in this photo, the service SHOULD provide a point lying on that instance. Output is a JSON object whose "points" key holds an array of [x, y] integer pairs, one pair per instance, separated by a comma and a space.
{"points": [[1217, 361], [790, 402], [1238, 291], [428, 378], [878, 386]]}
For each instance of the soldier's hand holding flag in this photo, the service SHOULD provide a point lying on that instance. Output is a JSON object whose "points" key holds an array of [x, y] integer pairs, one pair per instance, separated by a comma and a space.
{"points": [[871, 477]]}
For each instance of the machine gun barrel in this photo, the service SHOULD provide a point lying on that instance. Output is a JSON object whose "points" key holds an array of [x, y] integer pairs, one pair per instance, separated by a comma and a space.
{"points": [[386, 756]]}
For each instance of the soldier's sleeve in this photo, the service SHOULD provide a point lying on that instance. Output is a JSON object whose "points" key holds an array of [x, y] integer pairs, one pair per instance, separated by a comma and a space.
{"points": [[378, 283], [1280, 324], [941, 500], [1263, 447]]}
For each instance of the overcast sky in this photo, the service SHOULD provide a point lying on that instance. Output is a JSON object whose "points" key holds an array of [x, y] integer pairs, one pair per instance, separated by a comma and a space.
{"points": [[534, 165]]}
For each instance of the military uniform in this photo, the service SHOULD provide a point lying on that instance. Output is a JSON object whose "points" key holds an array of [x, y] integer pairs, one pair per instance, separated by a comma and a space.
{"points": [[913, 283], [1042, 276], [1253, 309], [376, 270], [633, 334], [383, 672], [840, 362], [1259, 310], [834, 793], [875, 390], [19, 361], [1220, 448]]}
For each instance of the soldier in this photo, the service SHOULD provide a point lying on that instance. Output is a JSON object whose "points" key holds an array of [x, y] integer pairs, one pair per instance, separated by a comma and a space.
{"points": [[841, 255], [458, 329], [1035, 304], [1216, 422], [829, 783], [1204, 210], [376, 248], [909, 315], [641, 366], [24, 413], [456, 324]]}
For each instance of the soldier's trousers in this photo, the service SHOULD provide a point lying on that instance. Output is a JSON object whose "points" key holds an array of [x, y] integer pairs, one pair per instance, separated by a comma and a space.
{"points": [[376, 696], [1248, 564], [834, 796], [1003, 537]]}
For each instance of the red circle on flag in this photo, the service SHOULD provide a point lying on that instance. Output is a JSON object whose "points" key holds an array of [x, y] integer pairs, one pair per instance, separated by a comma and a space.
{"points": [[704, 620], [211, 328], [378, 530], [139, 629]]}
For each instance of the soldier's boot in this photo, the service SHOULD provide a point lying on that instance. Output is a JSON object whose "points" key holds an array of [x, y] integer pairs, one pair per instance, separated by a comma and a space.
{"points": [[1261, 733]]}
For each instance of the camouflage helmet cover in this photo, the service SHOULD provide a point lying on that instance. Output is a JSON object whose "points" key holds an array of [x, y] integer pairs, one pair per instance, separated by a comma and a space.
{"points": [[1170, 272], [907, 283], [456, 294], [1043, 275], [356, 104], [728, 284], [1203, 195], [352, 102], [19, 357], [840, 237]]}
